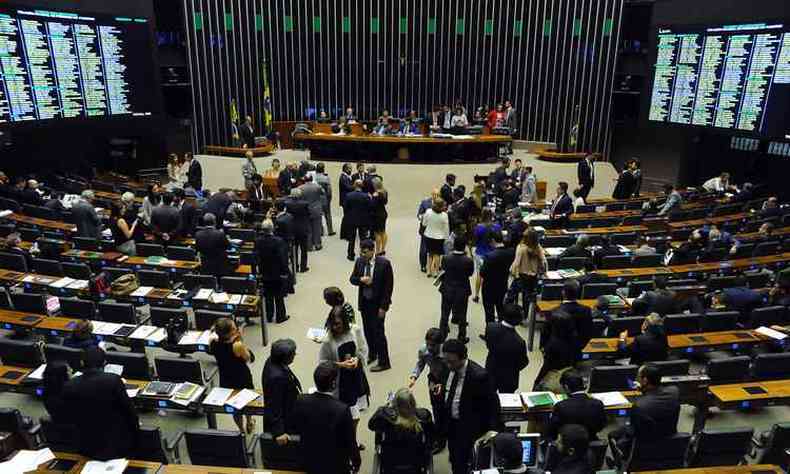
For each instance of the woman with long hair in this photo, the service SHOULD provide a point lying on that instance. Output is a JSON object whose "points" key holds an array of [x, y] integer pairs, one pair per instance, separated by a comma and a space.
{"points": [[530, 263], [378, 204], [482, 241], [334, 297], [233, 357], [437, 230], [122, 232], [407, 434]]}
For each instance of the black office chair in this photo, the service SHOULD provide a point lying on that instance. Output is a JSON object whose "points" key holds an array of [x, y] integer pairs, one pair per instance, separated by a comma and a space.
{"points": [[204, 319], [155, 278], [728, 370], [743, 251], [20, 353], [287, 458], [769, 316], [563, 241], [666, 453], [627, 238], [615, 261], [77, 308], [585, 208], [122, 313], [115, 272], [680, 235], [594, 290], [193, 280], [646, 261], [135, 364], [59, 437], [238, 285], [209, 447], [150, 250], [669, 368], [6, 229], [13, 261], [45, 266], [775, 446], [719, 321], [721, 282], [176, 252], [247, 235], [632, 324], [161, 316], [78, 271], [615, 206], [5, 301], [551, 292], [86, 243], [612, 378], [767, 248], [575, 263], [636, 288], [10, 204], [29, 234], [720, 447], [771, 366], [70, 355], [29, 302], [150, 445], [758, 279], [179, 369], [682, 323], [12, 421]]}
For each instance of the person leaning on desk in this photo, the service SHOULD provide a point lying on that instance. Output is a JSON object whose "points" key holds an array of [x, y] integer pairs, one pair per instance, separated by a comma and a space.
{"points": [[650, 346]]}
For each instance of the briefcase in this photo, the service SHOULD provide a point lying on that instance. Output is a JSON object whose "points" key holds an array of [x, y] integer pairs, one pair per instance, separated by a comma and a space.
{"points": [[125, 284]]}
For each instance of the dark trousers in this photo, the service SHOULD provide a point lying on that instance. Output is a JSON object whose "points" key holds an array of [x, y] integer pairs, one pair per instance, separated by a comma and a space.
{"points": [[439, 416], [622, 438], [423, 252], [328, 218], [457, 305], [316, 229], [460, 445], [584, 191], [362, 232], [374, 334], [493, 299], [274, 300], [301, 242]]}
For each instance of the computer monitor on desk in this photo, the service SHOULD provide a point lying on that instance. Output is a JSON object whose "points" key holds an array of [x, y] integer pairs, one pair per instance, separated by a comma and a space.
{"points": [[530, 443]]}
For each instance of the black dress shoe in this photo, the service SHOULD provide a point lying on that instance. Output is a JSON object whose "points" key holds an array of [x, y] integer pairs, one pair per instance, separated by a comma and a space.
{"points": [[304, 270], [319, 247], [332, 233], [351, 258], [465, 340], [283, 320], [371, 360], [423, 269], [439, 446], [379, 368]]}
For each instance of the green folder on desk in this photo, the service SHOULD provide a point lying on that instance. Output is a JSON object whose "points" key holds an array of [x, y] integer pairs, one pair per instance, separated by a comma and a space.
{"points": [[155, 260], [540, 400]]}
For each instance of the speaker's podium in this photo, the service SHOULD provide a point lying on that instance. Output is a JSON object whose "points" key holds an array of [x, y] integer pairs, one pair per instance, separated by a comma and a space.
{"points": [[263, 147]]}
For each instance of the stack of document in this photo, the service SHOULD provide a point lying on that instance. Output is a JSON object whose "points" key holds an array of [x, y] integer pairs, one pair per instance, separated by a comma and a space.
{"points": [[114, 369], [150, 333], [191, 338], [241, 399], [141, 291], [103, 328], [235, 299], [218, 396], [37, 374], [611, 399], [62, 283], [190, 390], [103, 467], [316, 334], [53, 305], [25, 461], [203, 294], [772, 333], [540, 399], [217, 297], [554, 251], [511, 402], [78, 285]]}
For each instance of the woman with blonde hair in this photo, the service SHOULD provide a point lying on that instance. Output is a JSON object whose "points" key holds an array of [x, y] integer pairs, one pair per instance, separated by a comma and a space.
{"points": [[437, 229], [406, 434], [530, 263], [378, 204]]}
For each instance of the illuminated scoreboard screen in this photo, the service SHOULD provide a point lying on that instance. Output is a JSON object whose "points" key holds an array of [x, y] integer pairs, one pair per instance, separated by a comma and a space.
{"points": [[61, 65], [734, 77]]}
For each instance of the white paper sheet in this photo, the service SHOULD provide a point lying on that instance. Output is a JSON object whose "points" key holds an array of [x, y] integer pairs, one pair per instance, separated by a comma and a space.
{"points": [[157, 336], [316, 334], [103, 328], [510, 401], [114, 369], [62, 282], [186, 402], [241, 399], [132, 392], [26, 460], [611, 399], [772, 333], [141, 291], [218, 396], [219, 298], [203, 294], [143, 332], [113, 466], [38, 374]]}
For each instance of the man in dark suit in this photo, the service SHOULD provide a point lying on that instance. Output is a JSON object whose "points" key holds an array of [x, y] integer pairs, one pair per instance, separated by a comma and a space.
{"points": [[283, 228], [360, 175], [585, 172], [661, 300], [194, 173], [286, 179], [328, 441], [30, 194], [247, 133], [501, 173], [101, 410], [471, 404], [573, 446], [345, 183], [580, 314], [507, 351], [563, 204], [649, 346], [654, 415], [579, 249], [273, 271], [213, 245], [455, 288], [374, 277], [165, 220], [446, 191], [84, 215], [187, 214], [218, 205], [579, 408], [300, 211], [494, 274], [356, 217], [281, 389]]}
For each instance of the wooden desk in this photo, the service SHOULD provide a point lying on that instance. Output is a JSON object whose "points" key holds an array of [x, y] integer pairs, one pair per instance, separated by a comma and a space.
{"points": [[90, 257], [10, 319], [264, 150], [80, 461], [56, 326], [708, 221], [730, 396], [747, 469], [190, 469], [13, 377], [114, 196], [620, 229], [543, 412], [683, 343], [45, 223], [172, 265], [551, 305]]}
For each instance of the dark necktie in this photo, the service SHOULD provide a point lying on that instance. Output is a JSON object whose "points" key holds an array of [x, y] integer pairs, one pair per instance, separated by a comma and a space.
{"points": [[367, 291], [451, 394]]}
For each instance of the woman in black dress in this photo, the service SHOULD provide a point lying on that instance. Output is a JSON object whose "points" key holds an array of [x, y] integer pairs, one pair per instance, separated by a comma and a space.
{"points": [[379, 216], [232, 357]]}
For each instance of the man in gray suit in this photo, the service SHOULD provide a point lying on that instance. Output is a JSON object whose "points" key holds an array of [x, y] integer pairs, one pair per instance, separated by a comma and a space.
{"points": [[313, 193], [323, 180], [85, 217]]}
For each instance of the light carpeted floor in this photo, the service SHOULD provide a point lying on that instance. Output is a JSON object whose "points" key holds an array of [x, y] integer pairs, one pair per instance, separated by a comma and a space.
{"points": [[415, 302]]}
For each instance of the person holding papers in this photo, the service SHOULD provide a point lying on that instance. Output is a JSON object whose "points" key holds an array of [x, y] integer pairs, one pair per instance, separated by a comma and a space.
{"points": [[232, 357]]}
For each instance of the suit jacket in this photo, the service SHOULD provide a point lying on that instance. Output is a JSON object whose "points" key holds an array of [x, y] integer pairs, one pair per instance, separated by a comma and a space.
{"points": [[271, 257], [356, 209], [507, 356], [281, 388], [87, 221], [284, 183], [247, 135], [655, 414], [314, 195], [195, 175], [582, 319], [458, 268], [579, 409], [218, 205], [496, 271], [187, 219], [382, 284], [284, 226], [645, 348], [562, 206], [31, 196], [327, 431], [658, 301], [500, 174], [446, 192], [626, 184], [479, 406], [213, 245], [345, 186], [165, 220], [673, 202], [584, 172], [572, 465], [300, 211], [576, 251], [103, 414]]}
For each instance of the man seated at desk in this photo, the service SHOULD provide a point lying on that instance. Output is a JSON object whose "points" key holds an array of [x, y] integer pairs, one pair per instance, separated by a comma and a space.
{"points": [[382, 123], [323, 117], [459, 119], [411, 124], [579, 408]]}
